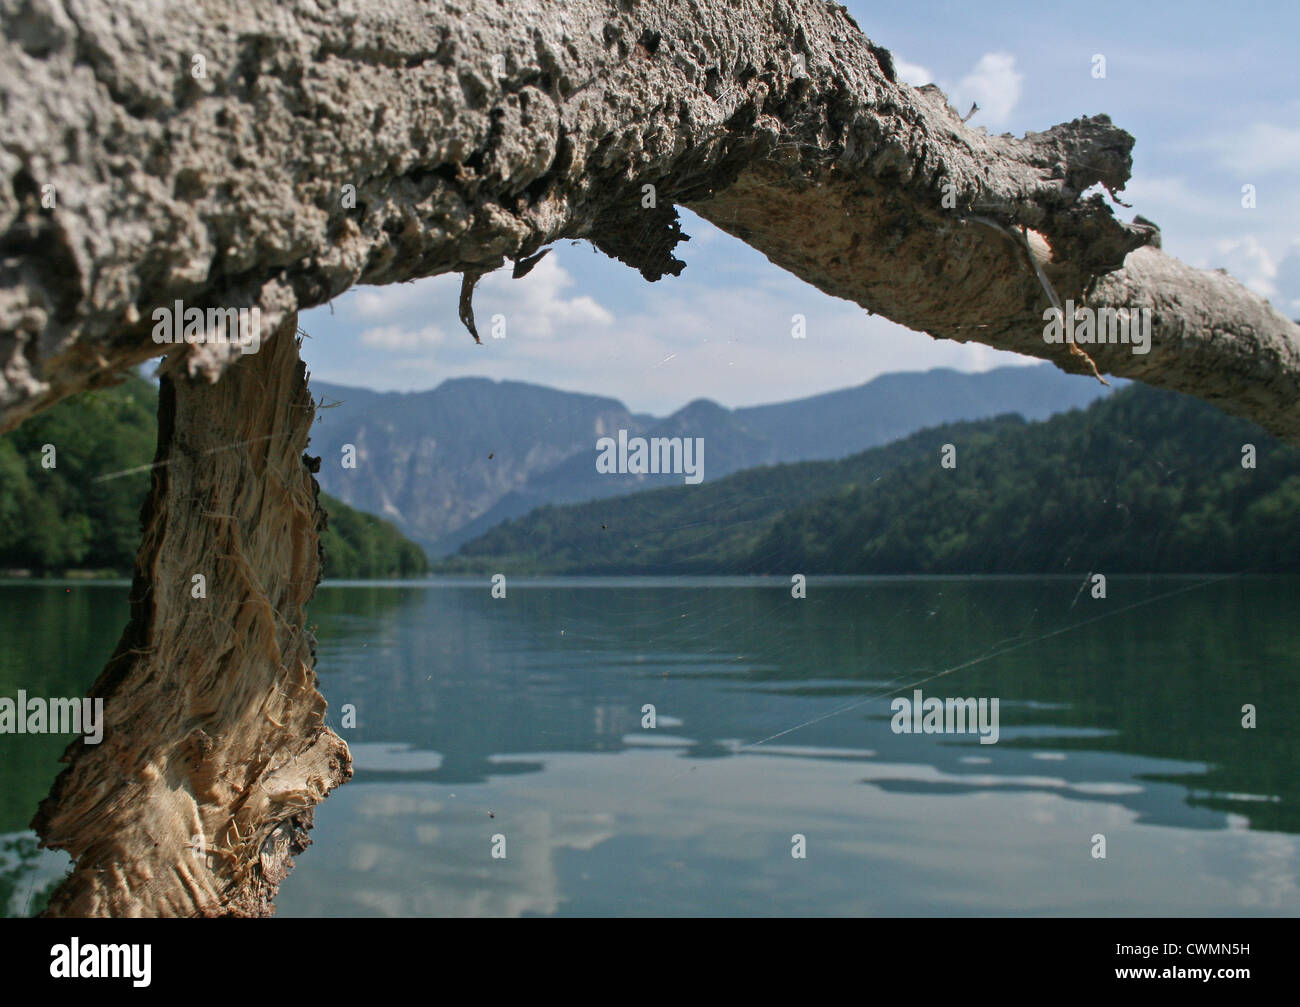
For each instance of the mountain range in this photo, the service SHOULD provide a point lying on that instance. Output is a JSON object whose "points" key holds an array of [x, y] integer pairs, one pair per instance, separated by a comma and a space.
{"points": [[446, 465], [1143, 481]]}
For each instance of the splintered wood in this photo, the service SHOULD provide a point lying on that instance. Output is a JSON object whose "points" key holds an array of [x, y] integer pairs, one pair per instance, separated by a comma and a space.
{"points": [[215, 749]]}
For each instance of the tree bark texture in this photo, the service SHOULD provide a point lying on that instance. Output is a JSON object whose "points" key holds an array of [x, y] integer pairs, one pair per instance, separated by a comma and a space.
{"points": [[215, 749], [475, 130]]}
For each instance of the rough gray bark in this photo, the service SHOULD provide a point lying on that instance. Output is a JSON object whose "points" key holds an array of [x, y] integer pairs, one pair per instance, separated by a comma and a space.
{"points": [[215, 750], [474, 130]]}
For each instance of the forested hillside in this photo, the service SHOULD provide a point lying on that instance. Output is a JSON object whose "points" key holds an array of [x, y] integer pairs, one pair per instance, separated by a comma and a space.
{"points": [[1144, 480], [76, 504]]}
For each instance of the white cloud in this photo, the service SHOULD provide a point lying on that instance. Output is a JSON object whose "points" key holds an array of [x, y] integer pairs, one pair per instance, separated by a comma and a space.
{"points": [[994, 84], [1157, 196], [1261, 148], [912, 73], [381, 303], [535, 305], [1198, 215], [1248, 262], [732, 344], [395, 337], [721, 331]]}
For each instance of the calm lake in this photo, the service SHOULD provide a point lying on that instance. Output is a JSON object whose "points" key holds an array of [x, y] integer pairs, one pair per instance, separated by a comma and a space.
{"points": [[515, 725]]}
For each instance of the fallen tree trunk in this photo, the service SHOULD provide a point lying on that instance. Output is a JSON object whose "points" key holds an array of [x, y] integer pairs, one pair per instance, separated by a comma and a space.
{"points": [[232, 156], [214, 750]]}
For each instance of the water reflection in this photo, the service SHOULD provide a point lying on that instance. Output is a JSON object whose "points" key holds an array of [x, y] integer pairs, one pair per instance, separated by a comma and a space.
{"points": [[564, 668], [522, 718]]}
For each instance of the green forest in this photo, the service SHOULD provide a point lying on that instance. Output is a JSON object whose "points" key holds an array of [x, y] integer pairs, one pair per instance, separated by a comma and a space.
{"points": [[1142, 481], [65, 516]]}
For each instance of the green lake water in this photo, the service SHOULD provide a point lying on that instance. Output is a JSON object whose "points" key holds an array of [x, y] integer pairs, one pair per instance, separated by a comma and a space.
{"points": [[517, 722]]}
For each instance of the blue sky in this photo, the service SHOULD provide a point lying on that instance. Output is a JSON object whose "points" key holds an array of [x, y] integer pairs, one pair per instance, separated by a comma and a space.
{"points": [[1209, 91]]}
